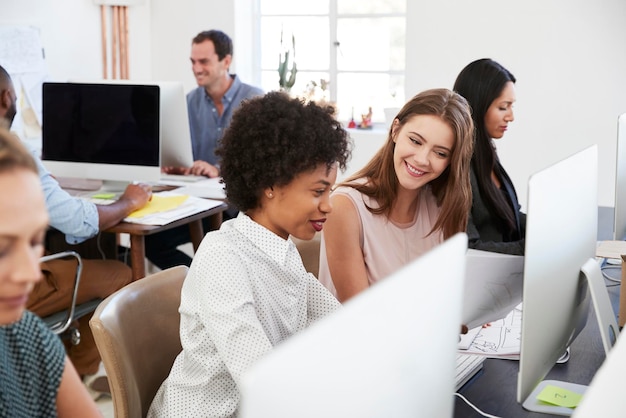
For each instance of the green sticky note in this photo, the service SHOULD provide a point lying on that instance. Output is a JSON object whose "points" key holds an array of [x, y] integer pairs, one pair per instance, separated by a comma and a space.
{"points": [[103, 196], [555, 395]]}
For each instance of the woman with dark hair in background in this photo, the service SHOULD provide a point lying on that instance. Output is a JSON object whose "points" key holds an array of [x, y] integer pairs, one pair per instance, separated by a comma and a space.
{"points": [[496, 223]]}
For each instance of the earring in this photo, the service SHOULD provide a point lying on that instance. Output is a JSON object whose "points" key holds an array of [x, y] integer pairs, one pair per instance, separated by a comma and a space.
{"points": [[270, 195]]}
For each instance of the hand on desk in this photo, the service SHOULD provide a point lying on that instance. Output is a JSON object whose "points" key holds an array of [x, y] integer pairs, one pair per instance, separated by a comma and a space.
{"points": [[134, 197], [199, 168], [137, 195]]}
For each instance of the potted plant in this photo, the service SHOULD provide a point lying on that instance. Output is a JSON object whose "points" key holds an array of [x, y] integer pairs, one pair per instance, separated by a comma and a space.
{"points": [[287, 69]]}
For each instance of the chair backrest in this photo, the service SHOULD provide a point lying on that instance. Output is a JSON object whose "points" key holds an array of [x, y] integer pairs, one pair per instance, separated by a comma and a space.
{"points": [[310, 253], [136, 330]]}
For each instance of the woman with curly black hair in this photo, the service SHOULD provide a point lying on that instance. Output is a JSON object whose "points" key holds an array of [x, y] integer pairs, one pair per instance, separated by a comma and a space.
{"points": [[413, 194], [247, 289]]}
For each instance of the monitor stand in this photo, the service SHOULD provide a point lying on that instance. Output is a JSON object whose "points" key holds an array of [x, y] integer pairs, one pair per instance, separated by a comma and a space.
{"points": [[534, 405], [609, 332], [113, 186], [71, 183]]}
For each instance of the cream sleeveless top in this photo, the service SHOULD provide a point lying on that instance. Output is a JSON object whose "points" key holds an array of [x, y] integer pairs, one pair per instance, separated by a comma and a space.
{"points": [[387, 245]]}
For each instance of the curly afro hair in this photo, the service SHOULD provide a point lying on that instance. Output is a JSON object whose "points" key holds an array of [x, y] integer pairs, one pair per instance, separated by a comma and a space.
{"points": [[272, 139]]}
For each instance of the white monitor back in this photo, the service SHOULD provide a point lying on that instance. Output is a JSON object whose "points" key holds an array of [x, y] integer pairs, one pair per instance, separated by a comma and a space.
{"points": [[605, 395], [175, 133], [390, 352], [561, 231], [619, 226], [496, 286]]}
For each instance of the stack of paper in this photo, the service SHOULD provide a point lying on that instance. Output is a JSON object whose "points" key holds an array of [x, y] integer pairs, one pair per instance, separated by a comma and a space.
{"points": [[166, 207], [208, 188]]}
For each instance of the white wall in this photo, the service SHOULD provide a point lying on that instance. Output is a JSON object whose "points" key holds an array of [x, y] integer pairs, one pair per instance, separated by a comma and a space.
{"points": [[174, 24], [160, 33], [568, 56]]}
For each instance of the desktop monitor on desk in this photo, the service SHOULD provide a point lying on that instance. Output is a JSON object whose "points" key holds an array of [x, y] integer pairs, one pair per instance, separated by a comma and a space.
{"points": [[389, 352], [114, 130], [561, 231], [619, 225]]}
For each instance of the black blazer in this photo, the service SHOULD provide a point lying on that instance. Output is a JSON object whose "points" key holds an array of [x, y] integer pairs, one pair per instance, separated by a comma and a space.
{"points": [[485, 232]]}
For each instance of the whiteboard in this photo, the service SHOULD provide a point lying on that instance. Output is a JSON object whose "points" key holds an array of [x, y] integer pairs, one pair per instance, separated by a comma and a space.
{"points": [[22, 55]]}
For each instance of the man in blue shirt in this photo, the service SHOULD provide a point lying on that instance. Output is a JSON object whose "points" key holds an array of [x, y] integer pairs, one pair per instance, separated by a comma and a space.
{"points": [[212, 103], [79, 220], [210, 107]]}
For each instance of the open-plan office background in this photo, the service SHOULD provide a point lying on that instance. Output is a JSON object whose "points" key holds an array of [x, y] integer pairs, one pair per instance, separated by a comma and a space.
{"points": [[568, 56]]}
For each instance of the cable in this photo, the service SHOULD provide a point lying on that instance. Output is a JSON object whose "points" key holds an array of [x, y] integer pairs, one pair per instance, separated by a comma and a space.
{"points": [[99, 245], [474, 407], [610, 267]]}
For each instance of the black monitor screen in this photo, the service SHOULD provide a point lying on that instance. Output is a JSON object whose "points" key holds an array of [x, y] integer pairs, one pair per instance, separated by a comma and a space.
{"points": [[101, 123]]}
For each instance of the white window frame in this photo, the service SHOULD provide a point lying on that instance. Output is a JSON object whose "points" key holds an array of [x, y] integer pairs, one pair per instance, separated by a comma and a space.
{"points": [[334, 16]]}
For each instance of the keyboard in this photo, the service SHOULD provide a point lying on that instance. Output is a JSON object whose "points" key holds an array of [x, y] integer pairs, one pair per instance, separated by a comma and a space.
{"points": [[467, 365], [182, 177]]}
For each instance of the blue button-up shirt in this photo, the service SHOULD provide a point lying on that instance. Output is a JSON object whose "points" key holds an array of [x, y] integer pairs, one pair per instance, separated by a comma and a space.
{"points": [[206, 125], [77, 218]]}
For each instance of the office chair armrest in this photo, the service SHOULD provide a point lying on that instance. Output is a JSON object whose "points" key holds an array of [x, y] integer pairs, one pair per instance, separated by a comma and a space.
{"points": [[57, 326]]}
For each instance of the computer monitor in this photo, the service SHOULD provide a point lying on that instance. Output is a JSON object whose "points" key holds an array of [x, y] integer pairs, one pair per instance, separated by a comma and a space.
{"points": [[390, 352], [175, 133], [116, 130], [605, 395], [619, 226], [561, 231], [496, 286]]}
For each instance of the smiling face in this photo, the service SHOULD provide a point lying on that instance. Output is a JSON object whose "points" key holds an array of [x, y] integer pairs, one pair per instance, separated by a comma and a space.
{"points": [[300, 207], [23, 221], [500, 112], [206, 65], [423, 150]]}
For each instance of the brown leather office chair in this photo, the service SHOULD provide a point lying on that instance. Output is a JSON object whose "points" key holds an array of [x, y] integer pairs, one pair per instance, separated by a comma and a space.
{"points": [[310, 253], [136, 330]]}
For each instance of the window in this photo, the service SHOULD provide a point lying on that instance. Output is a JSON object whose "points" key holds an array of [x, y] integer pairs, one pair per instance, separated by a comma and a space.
{"points": [[351, 52]]}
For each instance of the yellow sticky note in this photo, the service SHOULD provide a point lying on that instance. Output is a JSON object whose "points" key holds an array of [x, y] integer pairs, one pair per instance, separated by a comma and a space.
{"points": [[103, 196], [555, 395], [159, 204]]}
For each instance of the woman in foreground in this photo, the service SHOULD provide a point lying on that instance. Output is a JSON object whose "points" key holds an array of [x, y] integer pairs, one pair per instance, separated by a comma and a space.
{"points": [[37, 379]]}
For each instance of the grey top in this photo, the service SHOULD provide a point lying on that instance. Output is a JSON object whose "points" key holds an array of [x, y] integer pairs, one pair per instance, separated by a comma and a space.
{"points": [[31, 366]]}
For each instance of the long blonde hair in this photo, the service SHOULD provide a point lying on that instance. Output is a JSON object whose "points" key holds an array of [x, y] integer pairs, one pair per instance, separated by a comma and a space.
{"points": [[13, 154]]}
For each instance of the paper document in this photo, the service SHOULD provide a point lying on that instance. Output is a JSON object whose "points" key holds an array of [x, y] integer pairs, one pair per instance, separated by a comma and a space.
{"points": [[501, 338], [466, 340], [493, 286], [189, 206], [208, 189], [158, 204]]}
